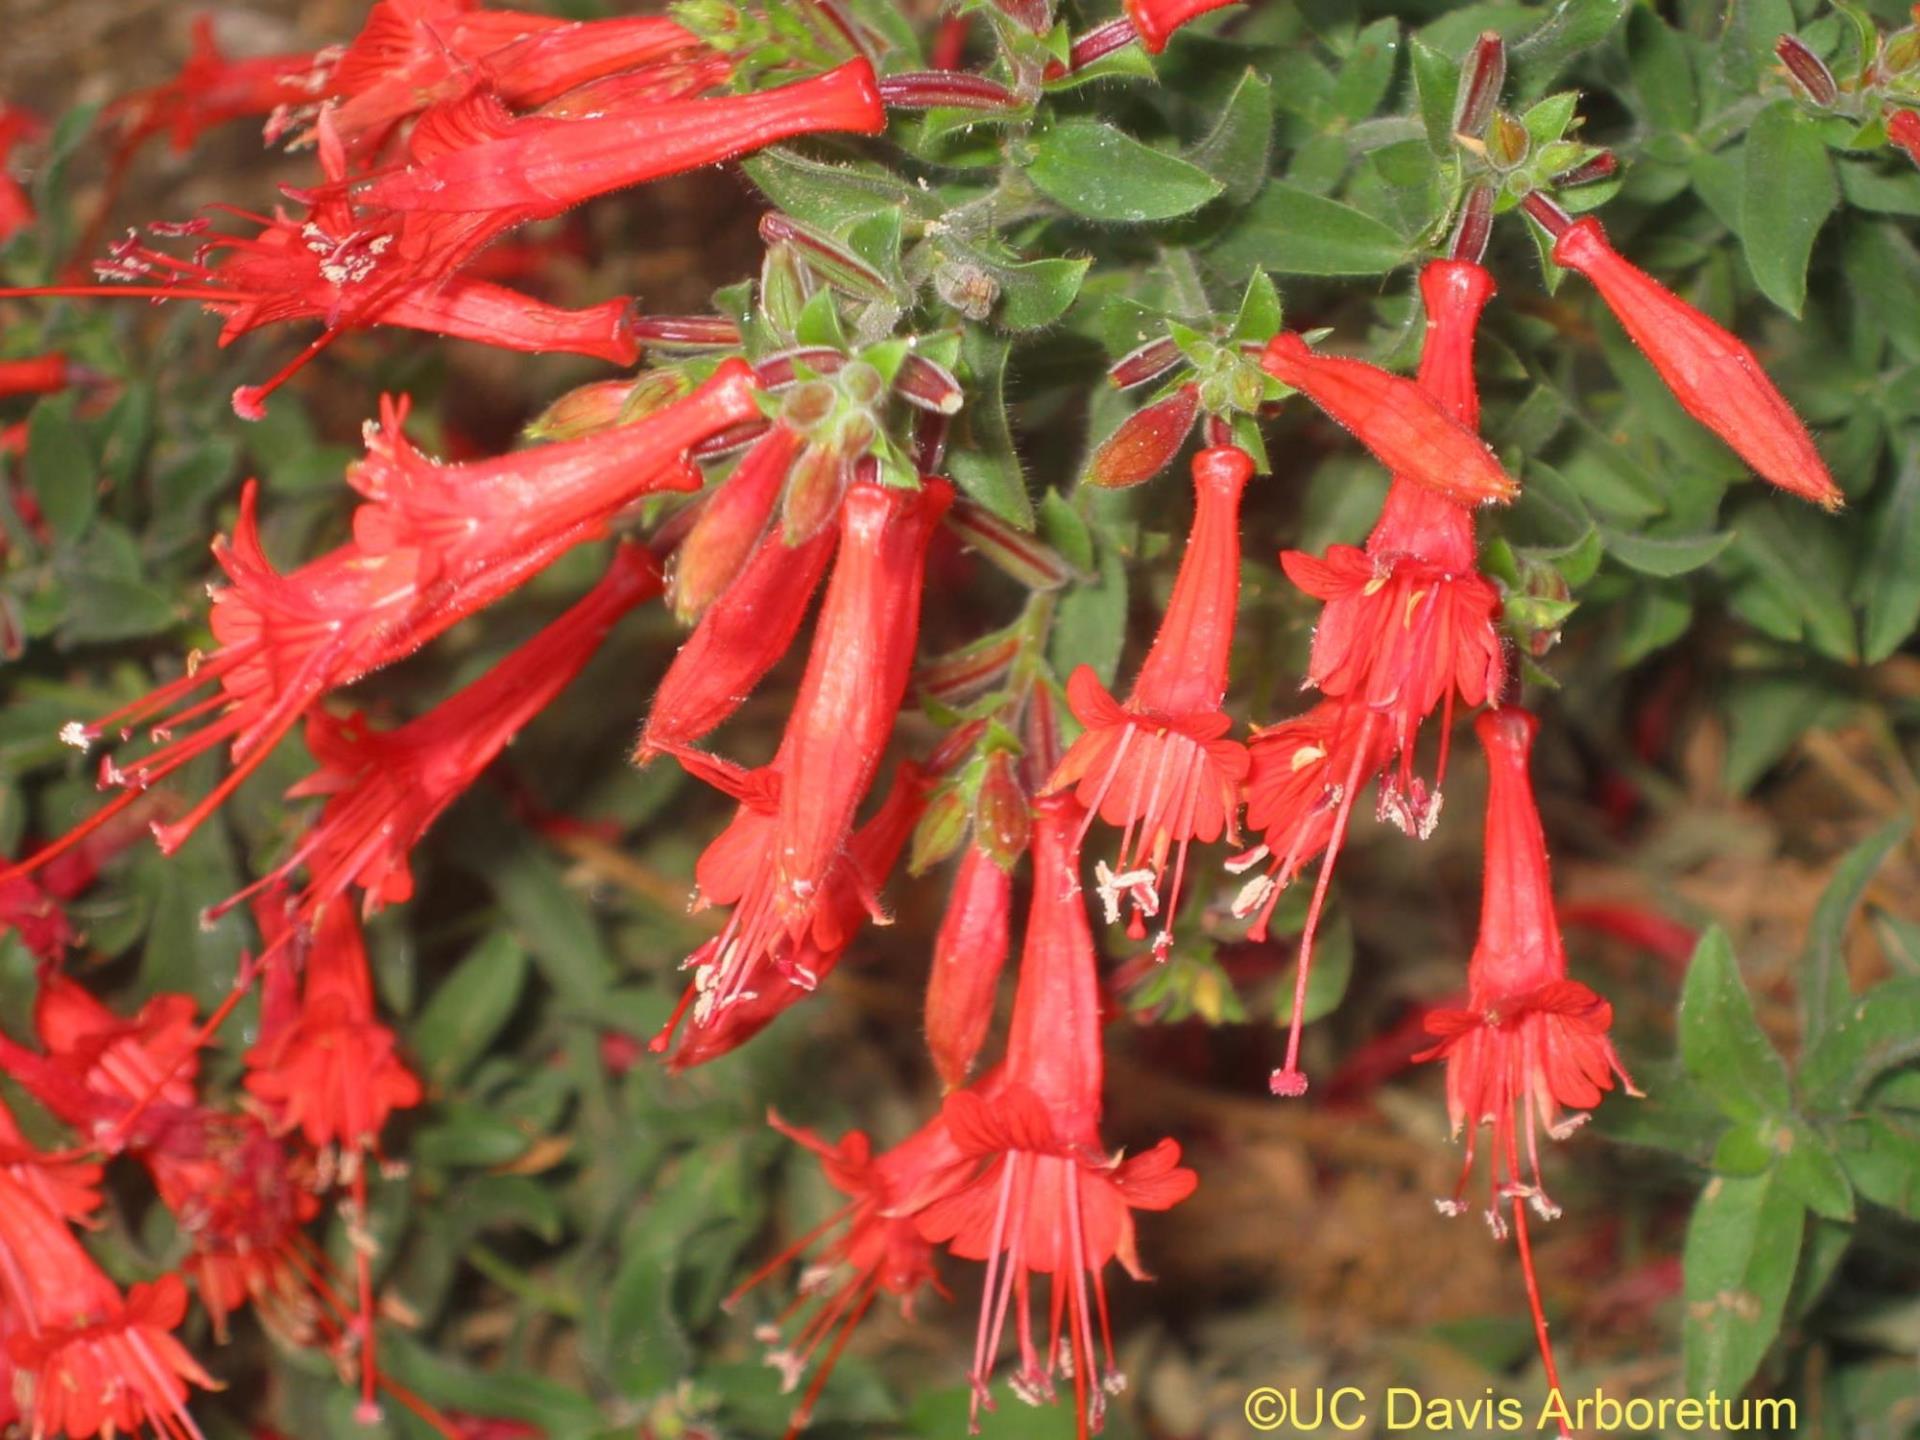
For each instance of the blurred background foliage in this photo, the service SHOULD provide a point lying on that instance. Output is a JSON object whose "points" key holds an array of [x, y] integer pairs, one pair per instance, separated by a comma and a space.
{"points": [[1729, 682]]}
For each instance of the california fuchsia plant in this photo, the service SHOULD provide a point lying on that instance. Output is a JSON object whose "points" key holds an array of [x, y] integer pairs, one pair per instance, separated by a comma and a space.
{"points": [[577, 857]]}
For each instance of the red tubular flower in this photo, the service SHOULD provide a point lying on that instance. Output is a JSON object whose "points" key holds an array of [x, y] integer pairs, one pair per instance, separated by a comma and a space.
{"points": [[1042, 1195], [36, 375], [1530, 1052], [765, 982], [334, 1074], [432, 545], [739, 639], [35, 916], [968, 955], [856, 675], [67, 1188], [1408, 430], [385, 789], [534, 165], [1903, 129], [1160, 767], [1156, 20], [84, 1360], [1408, 622], [350, 270], [1714, 375], [731, 524], [869, 1247], [413, 53], [212, 90]]}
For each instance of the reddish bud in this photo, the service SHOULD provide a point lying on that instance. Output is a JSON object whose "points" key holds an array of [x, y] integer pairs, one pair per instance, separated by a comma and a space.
{"points": [[730, 525], [1002, 814], [819, 478], [1023, 556], [1101, 41], [959, 675], [929, 386], [1145, 442], [689, 332], [583, 410], [1715, 376], [1806, 70], [1480, 81], [1408, 430], [1599, 167], [778, 371], [932, 89], [968, 955], [1033, 16], [1149, 362], [839, 266]]}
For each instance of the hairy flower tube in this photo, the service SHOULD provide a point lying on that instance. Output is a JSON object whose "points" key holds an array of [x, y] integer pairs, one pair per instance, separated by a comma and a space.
{"points": [[1160, 768], [1714, 375]]}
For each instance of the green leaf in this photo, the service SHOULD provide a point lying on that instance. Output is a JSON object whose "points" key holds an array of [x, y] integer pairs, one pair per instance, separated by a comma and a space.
{"points": [[1876, 1033], [1721, 1043], [1665, 556], [828, 196], [982, 460], [60, 469], [1766, 714], [1789, 192], [1889, 579], [470, 1008], [1299, 233], [1236, 151], [1035, 293], [1367, 70], [1574, 26], [1824, 989], [1881, 1153], [1810, 1170], [554, 923], [1790, 584], [104, 608], [1090, 627], [1098, 171], [1743, 1245], [1436, 81], [1662, 71]]}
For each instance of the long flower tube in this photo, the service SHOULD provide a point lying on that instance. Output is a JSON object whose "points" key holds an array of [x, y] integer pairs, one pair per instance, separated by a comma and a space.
{"points": [[1714, 375], [536, 165]]}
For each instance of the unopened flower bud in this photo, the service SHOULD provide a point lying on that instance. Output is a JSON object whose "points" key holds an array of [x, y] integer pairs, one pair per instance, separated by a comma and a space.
{"points": [[1002, 812], [653, 391], [730, 525], [1149, 362], [861, 384], [968, 955], [929, 386], [785, 284], [686, 332], [1025, 557], [932, 89], [1807, 71], [818, 479], [1146, 441], [941, 831], [1903, 129], [829, 259], [583, 410], [776, 372], [959, 675], [1480, 81], [1597, 167]]}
